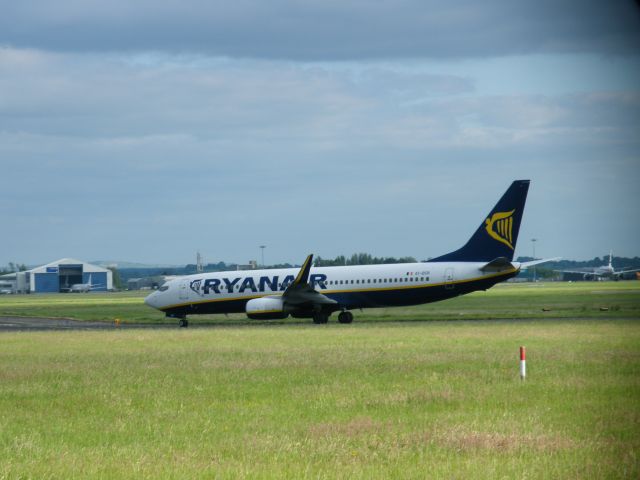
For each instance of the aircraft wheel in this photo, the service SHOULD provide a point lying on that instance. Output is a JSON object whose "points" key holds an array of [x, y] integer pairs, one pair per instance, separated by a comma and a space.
{"points": [[320, 318], [184, 323], [345, 317]]}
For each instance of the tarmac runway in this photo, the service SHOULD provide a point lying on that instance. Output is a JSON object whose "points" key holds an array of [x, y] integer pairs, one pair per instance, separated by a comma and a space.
{"points": [[8, 324]]}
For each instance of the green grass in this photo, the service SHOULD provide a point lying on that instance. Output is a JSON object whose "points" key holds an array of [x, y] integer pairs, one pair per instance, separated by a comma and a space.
{"points": [[560, 300], [438, 399]]}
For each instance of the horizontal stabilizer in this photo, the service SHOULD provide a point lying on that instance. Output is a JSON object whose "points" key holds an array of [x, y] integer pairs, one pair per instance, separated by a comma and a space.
{"points": [[525, 265], [498, 264]]}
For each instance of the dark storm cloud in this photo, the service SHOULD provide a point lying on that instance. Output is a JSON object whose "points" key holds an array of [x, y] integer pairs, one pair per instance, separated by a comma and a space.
{"points": [[326, 30]]}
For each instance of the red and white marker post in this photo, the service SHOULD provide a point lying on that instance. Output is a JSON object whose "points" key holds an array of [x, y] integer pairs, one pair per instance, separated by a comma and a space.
{"points": [[523, 363]]}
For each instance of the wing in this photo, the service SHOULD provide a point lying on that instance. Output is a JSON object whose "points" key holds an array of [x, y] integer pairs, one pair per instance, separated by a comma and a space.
{"points": [[622, 272], [301, 294]]}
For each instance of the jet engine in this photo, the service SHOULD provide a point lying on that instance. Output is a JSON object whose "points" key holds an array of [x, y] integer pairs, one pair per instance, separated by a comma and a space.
{"points": [[266, 308]]}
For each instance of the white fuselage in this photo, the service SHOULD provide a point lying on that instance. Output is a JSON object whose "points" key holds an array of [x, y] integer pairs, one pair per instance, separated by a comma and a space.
{"points": [[351, 286]]}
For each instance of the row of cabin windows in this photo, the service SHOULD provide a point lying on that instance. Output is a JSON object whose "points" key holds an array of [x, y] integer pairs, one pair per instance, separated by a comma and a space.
{"points": [[378, 280]]}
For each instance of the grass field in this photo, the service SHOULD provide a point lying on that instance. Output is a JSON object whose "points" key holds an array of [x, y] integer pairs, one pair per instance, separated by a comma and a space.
{"points": [[560, 300], [375, 399]]}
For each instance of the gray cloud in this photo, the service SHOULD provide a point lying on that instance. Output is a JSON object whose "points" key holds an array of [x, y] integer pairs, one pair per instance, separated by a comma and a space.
{"points": [[150, 157], [326, 30], [118, 105]]}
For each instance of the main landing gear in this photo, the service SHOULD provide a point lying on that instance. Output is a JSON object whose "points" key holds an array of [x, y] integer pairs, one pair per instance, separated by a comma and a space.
{"points": [[320, 317], [343, 317]]}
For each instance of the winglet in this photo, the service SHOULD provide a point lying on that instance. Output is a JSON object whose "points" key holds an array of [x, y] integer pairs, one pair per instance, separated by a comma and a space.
{"points": [[303, 274]]}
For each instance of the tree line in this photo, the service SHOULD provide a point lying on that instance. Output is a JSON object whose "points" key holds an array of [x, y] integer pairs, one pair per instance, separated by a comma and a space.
{"points": [[13, 267], [360, 259]]}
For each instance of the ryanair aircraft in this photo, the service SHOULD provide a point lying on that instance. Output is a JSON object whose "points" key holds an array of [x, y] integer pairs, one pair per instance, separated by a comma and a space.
{"points": [[317, 292]]}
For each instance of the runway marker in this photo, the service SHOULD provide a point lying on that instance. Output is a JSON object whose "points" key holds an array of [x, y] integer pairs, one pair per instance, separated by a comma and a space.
{"points": [[523, 363]]}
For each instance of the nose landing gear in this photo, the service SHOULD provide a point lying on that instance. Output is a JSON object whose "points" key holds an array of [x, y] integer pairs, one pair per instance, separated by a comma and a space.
{"points": [[345, 317], [182, 323]]}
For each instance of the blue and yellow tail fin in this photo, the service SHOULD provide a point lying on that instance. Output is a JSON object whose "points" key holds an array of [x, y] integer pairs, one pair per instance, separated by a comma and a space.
{"points": [[498, 233]]}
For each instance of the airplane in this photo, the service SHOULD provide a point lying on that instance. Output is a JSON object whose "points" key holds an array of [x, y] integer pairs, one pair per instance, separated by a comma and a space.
{"points": [[83, 287], [604, 271], [317, 292]]}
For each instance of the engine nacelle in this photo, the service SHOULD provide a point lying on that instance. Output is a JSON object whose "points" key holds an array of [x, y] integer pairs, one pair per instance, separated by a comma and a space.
{"points": [[266, 308]]}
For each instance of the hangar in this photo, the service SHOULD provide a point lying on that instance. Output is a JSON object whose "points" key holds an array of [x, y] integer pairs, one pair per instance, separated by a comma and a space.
{"points": [[60, 276]]}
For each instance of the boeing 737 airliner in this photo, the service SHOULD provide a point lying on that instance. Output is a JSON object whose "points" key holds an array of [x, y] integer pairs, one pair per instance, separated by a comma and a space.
{"points": [[317, 292]]}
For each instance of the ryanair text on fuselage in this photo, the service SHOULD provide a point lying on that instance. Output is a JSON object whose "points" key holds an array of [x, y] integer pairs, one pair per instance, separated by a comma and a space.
{"points": [[262, 284]]}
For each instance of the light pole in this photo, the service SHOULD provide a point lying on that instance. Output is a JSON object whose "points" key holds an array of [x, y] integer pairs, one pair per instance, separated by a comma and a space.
{"points": [[262, 247], [533, 243]]}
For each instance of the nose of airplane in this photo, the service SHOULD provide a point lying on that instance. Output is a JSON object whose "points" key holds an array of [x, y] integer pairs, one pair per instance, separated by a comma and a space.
{"points": [[151, 300]]}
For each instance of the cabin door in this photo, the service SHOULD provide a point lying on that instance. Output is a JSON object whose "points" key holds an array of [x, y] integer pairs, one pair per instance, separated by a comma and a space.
{"points": [[449, 278], [184, 290]]}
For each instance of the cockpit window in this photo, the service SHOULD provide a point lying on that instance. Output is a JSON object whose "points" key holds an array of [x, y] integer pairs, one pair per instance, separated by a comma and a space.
{"points": [[164, 288]]}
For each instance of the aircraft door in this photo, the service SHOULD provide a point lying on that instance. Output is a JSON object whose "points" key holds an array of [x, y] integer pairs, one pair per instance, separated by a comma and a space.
{"points": [[184, 290], [449, 278]]}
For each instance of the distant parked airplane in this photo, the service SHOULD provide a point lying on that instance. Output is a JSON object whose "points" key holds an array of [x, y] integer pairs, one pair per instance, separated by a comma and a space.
{"points": [[83, 287], [486, 259], [604, 271]]}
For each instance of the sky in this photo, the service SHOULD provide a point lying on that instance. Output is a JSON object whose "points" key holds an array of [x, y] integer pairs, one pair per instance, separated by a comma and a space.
{"points": [[147, 131]]}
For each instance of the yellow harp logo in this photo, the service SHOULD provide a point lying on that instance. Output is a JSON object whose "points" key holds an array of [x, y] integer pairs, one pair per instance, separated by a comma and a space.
{"points": [[500, 227]]}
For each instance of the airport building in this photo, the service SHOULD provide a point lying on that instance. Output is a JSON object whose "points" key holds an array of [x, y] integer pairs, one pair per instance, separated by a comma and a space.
{"points": [[58, 276]]}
